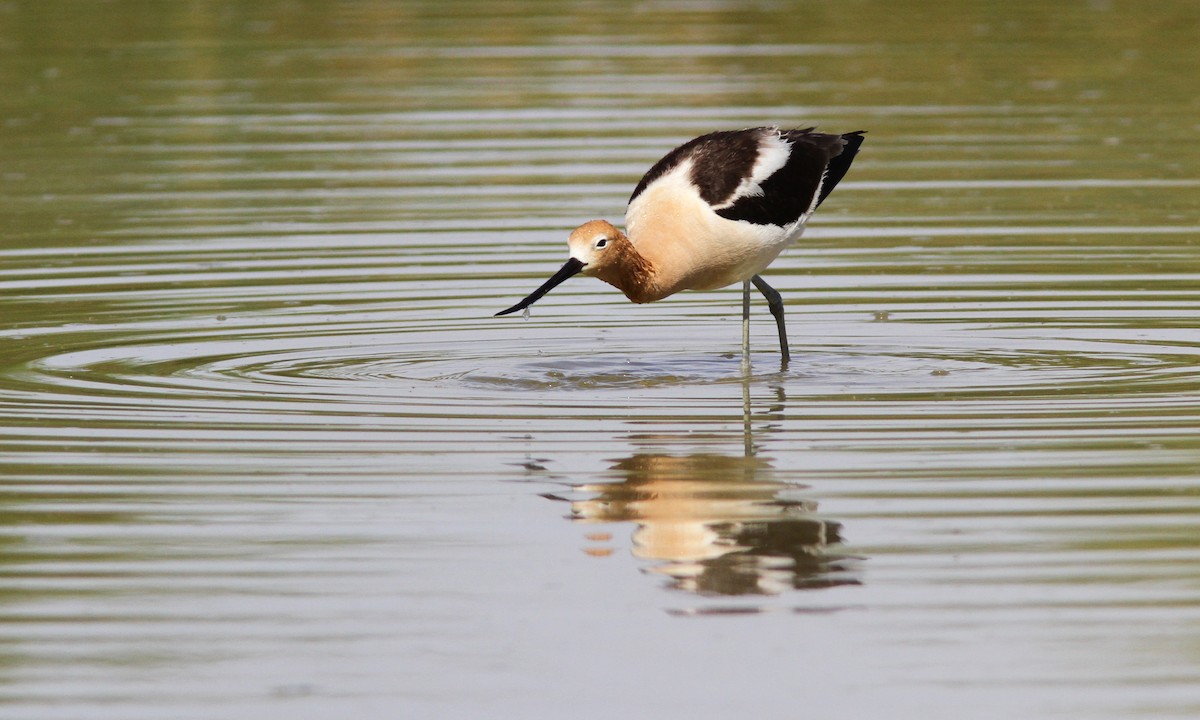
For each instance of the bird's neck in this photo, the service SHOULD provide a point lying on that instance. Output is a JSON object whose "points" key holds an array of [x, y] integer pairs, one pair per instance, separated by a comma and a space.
{"points": [[631, 273]]}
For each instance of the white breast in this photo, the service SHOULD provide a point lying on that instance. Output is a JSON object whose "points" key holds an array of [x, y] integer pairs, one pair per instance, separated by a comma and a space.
{"points": [[693, 248]]}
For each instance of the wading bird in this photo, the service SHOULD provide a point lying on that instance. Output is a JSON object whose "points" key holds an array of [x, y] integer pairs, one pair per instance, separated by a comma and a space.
{"points": [[714, 211]]}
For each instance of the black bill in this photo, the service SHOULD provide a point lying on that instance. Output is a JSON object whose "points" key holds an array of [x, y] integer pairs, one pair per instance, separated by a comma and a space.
{"points": [[568, 269]]}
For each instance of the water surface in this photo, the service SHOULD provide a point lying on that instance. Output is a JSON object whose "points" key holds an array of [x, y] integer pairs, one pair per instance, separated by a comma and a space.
{"points": [[266, 451]]}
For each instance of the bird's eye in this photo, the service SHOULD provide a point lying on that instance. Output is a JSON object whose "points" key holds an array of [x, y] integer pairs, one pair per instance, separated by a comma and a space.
{"points": [[601, 242]]}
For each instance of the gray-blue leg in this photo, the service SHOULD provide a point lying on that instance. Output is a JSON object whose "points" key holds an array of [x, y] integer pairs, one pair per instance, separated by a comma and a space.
{"points": [[775, 303]]}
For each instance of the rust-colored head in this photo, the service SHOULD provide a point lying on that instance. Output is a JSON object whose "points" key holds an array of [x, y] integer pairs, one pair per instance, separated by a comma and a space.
{"points": [[596, 245]]}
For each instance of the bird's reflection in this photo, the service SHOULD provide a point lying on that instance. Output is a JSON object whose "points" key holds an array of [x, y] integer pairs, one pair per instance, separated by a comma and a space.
{"points": [[717, 524]]}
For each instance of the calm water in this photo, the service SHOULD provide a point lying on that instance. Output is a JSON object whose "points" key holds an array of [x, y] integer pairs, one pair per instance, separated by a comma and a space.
{"points": [[266, 453]]}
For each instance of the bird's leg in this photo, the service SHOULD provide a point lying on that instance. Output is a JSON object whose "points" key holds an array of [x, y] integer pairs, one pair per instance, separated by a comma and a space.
{"points": [[747, 430], [746, 326], [775, 302]]}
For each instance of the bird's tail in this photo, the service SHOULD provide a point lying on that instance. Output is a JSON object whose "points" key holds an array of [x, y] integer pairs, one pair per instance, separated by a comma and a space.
{"points": [[840, 164]]}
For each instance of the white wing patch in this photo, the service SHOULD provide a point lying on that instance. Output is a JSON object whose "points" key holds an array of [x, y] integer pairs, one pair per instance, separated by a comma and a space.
{"points": [[773, 154], [812, 206]]}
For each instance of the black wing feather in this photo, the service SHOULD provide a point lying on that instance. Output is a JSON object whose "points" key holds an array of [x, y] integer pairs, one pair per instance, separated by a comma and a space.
{"points": [[721, 160], [816, 163], [839, 164]]}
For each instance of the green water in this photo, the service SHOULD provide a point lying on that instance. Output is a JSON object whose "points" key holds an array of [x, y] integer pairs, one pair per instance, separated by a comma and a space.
{"points": [[265, 452]]}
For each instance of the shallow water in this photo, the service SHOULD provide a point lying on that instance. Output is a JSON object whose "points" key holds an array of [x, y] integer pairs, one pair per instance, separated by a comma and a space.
{"points": [[266, 451]]}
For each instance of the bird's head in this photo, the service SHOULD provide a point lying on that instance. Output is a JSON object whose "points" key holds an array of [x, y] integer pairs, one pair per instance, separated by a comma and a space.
{"points": [[593, 243], [592, 252]]}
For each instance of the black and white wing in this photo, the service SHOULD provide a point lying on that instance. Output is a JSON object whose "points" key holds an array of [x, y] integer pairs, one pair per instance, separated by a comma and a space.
{"points": [[764, 176]]}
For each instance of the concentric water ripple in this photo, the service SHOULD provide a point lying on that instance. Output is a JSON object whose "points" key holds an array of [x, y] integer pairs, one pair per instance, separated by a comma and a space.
{"points": [[389, 357], [265, 449]]}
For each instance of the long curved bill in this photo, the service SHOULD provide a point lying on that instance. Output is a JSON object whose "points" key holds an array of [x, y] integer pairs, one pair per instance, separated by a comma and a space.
{"points": [[571, 267]]}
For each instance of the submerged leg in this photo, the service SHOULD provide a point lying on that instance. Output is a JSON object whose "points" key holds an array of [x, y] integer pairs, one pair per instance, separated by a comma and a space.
{"points": [[775, 302], [746, 326]]}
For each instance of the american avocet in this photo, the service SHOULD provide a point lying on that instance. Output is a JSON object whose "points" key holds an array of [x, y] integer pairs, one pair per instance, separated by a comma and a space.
{"points": [[714, 211]]}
